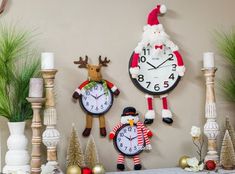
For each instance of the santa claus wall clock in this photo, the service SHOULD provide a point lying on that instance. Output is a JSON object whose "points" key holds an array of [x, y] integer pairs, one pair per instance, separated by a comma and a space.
{"points": [[156, 65]]}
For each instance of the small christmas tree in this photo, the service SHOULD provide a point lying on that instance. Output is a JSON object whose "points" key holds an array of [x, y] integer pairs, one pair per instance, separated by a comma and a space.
{"points": [[231, 131], [74, 153], [91, 155], [227, 155]]}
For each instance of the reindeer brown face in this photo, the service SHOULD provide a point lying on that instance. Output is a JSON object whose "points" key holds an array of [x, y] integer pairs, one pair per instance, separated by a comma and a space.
{"points": [[94, 71]]}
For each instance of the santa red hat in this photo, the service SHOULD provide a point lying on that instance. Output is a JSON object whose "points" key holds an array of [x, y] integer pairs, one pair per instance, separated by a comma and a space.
{"points": [[153, 15]]}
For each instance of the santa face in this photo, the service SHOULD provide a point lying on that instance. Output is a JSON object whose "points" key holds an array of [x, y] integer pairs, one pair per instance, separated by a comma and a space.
{"points": [[154, 35], [130, 119]]}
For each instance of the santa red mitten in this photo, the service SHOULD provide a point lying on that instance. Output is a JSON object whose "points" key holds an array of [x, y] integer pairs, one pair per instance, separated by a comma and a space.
{"points": [[111, 135], [180, 70]]}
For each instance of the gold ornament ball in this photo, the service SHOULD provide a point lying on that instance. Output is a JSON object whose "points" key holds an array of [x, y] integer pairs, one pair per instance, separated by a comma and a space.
{"points": [[73, 170], [183, 161], [98, 169]]}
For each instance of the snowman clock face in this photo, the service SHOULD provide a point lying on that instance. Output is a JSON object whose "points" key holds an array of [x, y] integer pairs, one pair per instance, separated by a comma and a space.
{"points": [[96, 100], [157, 74], [126, 141]]}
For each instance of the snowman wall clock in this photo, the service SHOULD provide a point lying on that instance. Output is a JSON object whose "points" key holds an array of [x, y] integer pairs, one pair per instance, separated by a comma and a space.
{"points": [[156, 65]]}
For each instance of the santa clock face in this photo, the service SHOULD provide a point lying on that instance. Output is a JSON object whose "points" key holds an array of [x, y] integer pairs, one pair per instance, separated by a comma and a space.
{"points": [[157, 74], [126, 141], [97, 100]]}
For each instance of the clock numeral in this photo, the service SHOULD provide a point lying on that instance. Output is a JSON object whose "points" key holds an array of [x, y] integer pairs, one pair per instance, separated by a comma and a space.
{"points": [[119, 139], [172, 77], [106, 103], [96, 108], [171, 57], [140, 78], [92, 106], [121, 134], [85, 97], [129, 129], [96, 88], [87, 92], [166, 84], [87, 103], [124, 130], [173, 67], [135, 148], [146, 51], [134, 130], [125, 147], [130, 150], [148, 84], [101, 107], [156, 87], [142, 59], [121, 145]]}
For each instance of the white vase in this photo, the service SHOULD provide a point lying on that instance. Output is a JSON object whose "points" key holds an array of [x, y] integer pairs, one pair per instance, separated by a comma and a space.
{"points": [[17, 157]]}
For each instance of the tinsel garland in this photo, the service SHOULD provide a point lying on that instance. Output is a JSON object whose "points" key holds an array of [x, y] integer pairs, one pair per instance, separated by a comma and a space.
{"points": [[93, 84]]}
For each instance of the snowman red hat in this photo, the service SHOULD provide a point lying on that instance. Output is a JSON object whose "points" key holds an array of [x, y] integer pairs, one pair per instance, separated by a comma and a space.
{"points": [[153, 15]]}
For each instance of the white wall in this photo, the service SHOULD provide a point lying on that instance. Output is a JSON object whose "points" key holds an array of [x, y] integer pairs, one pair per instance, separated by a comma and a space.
{"points": [[73, 28]]}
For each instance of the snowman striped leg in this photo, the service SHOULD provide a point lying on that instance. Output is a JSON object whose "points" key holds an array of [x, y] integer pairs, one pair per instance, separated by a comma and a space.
{"points": [[166, 113], [137, 165], [150, 113], [120, 162]]}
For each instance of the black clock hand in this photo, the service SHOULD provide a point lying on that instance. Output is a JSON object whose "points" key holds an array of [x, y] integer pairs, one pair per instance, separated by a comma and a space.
{"points": [[94, 96], [127, 137], [100, 95], [154, 67], [160, 64], [134, 138]]}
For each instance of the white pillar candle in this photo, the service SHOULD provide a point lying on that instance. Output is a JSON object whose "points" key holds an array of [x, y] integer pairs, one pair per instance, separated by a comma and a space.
{"points": [[208, 60], [47, 61], [36, 87]]}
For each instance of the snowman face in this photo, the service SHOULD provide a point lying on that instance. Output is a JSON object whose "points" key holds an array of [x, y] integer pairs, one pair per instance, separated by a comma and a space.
{"points": [[154, 34], [129, 118]]}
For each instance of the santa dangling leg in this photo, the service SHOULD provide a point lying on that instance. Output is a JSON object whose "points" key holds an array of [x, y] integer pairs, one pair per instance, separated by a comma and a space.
{"points": [[120, 162], [166, 113], [150, 115], [137, 163]]}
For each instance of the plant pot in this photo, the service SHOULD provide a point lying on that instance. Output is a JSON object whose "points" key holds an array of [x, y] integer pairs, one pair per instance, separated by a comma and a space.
{"points": [[17, 157]]}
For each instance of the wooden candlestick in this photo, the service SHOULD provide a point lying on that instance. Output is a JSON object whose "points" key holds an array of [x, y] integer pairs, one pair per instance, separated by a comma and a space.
{"points": [[211, 128], [51, 135], [36, 135]]}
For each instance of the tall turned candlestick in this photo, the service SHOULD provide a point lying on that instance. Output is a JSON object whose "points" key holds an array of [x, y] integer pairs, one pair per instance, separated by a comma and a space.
{"points": [[36, 137], [211, 128], [51, 135]]}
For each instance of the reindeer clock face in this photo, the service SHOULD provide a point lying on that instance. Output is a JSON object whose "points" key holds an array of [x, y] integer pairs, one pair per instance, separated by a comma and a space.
{"points": [[157, 74], [97, 100], [126, 141]]}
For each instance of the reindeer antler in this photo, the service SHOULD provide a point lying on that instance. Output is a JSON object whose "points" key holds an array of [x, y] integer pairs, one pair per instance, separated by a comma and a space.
{"points": [[82, 63], [3, 5], [103, 62]]}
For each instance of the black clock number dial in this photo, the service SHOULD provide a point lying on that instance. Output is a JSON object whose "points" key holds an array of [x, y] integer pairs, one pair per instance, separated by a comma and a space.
{"points": [[157, 74]]}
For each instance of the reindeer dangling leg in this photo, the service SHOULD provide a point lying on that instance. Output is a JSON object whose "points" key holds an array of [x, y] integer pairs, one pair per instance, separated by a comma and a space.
{"points": [[87, 130], [150, 115], [166, 113], [102, 126]]}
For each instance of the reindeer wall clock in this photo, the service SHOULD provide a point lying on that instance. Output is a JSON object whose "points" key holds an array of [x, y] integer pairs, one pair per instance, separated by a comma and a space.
{"points": [[3, 5], [95, 94], [156, 65]]}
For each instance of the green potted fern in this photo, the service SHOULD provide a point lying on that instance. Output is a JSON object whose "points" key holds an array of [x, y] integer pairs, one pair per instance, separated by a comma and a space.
{"points": [[18, 63], [226, 45]]}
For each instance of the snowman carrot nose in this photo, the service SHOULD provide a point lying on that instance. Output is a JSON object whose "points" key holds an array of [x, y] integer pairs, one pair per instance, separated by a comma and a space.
{"points": [[131, 122]]}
